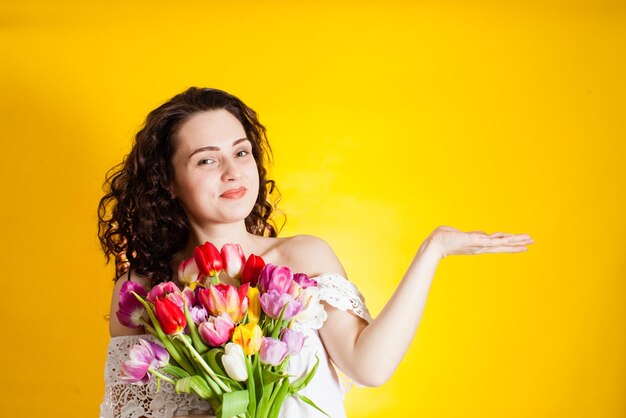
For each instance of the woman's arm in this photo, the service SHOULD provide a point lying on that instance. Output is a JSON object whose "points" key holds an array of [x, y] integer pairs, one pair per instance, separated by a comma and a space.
{"points": [[370, 354]]}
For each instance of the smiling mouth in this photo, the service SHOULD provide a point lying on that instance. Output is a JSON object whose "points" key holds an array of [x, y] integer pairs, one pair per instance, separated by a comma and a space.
{"points": [[235, 194]]}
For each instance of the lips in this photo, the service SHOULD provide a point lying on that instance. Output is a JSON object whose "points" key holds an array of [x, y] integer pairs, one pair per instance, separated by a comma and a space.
{"points": [[234, 193]]}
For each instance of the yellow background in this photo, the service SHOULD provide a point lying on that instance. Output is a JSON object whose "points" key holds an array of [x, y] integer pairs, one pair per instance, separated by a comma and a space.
{"points": [[387, 119]]}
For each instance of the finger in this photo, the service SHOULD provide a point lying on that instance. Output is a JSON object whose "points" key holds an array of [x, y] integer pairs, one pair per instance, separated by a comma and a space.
{"points": [[522, 238], [508, 240], [503, 249], [500, 234]]}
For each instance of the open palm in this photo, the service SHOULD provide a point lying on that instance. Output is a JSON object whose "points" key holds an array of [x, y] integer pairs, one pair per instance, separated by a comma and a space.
{"points": [[452, 241]]}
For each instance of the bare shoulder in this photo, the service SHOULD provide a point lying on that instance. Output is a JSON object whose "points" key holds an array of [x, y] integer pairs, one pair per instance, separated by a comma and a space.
{"points": [[116, 329], [312, 255], [341, 330]]}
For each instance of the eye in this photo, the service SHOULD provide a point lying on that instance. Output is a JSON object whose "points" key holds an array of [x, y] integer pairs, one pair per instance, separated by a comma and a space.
{"points": [[202, 162], [243, 151]]}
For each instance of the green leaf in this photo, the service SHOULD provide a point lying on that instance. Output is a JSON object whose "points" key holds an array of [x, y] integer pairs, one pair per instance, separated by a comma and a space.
{"points": [[279, 397], [271, 377], [305, 381], [258, 382], [310, 402], [177, 372], [234, 403], [194, 384], [211, 358]]}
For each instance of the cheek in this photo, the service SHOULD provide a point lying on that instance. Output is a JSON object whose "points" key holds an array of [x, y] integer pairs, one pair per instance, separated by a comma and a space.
{"points": [[252, 171], [254, 182], [196, 188]]}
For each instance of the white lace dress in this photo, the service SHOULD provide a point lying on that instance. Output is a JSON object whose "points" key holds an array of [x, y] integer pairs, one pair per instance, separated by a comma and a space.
{"points": [[327, 388]]}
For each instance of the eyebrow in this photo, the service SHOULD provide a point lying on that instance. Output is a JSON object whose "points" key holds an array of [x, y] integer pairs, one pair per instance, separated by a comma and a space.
{"points": [[211, 148]]}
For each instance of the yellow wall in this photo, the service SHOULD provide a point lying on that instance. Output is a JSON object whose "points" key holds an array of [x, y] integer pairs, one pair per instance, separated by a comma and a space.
{"points": [[387, 119]]}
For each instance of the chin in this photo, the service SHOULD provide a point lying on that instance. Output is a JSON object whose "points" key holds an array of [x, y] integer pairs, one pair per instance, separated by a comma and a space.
{"points": [[239, 213]]}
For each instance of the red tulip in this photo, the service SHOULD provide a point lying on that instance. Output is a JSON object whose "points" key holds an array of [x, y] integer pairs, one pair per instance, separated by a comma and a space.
{"points": [[252, 270], [208, 259], [171, 318]]}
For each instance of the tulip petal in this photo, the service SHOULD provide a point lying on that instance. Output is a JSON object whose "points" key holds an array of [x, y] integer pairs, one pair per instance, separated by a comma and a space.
{"points": [[252, 270], [208, 259], [161, 356], [234, 260], [134, 371], [272, 351], [171, 318], [273, 303], [234, 362]]}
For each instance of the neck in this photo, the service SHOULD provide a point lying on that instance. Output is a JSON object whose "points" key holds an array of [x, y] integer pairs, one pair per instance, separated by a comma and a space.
{"points": [[218, 235]]}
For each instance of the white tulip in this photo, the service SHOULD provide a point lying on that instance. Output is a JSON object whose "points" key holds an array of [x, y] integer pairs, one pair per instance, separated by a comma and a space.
{"points": [[314, 314], [234, 362]]}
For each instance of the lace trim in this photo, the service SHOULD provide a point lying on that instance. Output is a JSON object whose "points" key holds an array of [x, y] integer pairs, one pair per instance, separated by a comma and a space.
{"points": [[125, 400], [343, 294]]}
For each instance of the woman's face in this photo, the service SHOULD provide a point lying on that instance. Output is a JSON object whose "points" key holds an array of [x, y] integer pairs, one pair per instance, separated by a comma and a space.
{"points": [[212, 157]]}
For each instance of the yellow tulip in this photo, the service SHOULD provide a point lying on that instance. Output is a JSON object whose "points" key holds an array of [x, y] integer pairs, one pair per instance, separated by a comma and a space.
{"points": [[249, 337], [254, 305]]}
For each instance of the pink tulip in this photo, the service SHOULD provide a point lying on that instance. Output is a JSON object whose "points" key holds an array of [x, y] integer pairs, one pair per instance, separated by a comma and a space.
{"points": [[303, 280], [234, 260], [295, 290], [143, 357], [190, 297], [161, 290], [294, 340], [225, 298], [273, 303], [130, 311], [275, 278], [198, 314], [178, 299], [272, 351], [217, 330]]}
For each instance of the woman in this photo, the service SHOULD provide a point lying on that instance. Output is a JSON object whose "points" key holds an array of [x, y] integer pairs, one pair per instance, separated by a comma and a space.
{"points": [[197, 173]]}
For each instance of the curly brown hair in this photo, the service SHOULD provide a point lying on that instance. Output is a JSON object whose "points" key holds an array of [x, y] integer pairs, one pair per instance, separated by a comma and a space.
{"points": [[139, 224]]}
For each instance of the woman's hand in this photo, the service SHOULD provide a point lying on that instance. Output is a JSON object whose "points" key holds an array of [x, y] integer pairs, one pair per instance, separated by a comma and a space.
{"points": [[452, 241]]}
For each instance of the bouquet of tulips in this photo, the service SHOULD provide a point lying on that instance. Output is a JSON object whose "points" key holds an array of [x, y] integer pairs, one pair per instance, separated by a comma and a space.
{"points": [[227, 344]]}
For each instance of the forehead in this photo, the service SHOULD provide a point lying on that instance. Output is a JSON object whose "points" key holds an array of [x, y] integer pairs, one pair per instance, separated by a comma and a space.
{"points": [[215, 127]]}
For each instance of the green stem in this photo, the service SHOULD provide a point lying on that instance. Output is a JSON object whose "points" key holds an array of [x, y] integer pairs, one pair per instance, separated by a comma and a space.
{"points": [[275, 392], [149, 328], [279, 322], [161, 375], [203, 363]]}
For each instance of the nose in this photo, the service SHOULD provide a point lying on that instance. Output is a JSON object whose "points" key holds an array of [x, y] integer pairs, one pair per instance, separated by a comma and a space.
{"points": [[231, 172]]}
